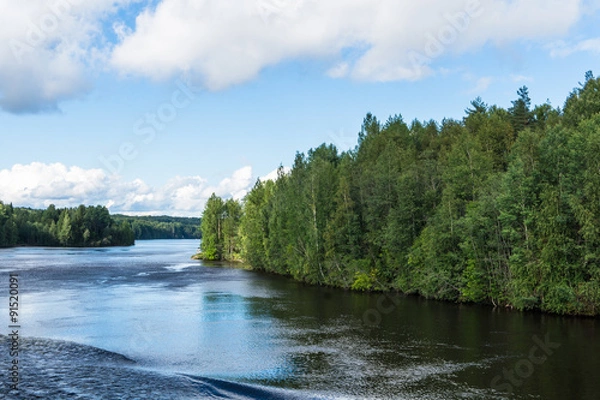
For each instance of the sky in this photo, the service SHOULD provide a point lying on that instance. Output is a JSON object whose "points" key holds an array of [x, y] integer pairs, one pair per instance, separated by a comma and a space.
{"points": [[148, 107]]}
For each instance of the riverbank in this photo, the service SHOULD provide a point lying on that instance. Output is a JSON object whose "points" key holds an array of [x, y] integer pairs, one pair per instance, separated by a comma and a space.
{"points": [[239, 263], [200, 257]]}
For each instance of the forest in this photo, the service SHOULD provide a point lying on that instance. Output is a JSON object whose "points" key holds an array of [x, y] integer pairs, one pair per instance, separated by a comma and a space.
{"points": [[501, 207], [161, 227], [67, 227]]}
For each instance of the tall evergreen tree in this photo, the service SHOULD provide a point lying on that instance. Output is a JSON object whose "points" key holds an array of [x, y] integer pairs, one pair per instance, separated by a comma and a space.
{"points": [[520, 110]]}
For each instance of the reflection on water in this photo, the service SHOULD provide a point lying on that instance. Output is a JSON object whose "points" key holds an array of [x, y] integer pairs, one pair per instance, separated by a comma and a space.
{"points": [[219, 326]]}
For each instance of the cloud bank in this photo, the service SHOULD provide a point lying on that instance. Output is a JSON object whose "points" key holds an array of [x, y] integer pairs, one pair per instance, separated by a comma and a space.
{"points": [[53, 48], [48, 50], [38, 185], [390, 39]]}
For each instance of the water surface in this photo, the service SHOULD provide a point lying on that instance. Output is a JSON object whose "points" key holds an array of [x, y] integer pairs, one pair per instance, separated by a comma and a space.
{"points": [[148, 322]]}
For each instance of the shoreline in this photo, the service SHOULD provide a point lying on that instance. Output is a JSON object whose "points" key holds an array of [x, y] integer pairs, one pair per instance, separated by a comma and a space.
{"points": [[490, 306]]}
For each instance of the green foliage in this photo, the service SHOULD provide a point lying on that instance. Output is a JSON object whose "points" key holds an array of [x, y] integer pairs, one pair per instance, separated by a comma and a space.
{"points": [[64, 229], [212, 229], [502, 208], [231, 224], [521, 116], [583, 102], [220, 229], [254, 224], [77, 227], [9, 234], [365, 281], [161, 227]]}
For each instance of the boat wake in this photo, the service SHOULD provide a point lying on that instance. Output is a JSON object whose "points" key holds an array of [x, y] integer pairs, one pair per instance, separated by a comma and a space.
{"points": [[56, 369]]}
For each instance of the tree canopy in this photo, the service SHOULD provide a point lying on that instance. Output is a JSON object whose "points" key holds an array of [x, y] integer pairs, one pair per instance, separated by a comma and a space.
{"points": [[501, 207], [219, 227], [77, 227]]}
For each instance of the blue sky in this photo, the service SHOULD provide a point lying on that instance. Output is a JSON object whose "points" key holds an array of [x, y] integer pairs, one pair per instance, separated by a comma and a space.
{"points": [[235, 89]]}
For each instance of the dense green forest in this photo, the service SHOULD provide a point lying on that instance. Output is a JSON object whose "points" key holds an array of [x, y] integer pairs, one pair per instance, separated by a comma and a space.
{"points": [[78, 227], [501, 207], [161, 227]]}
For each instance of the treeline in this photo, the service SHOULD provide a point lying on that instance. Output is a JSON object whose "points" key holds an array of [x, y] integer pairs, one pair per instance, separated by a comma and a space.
{"points": [[501, 207], [161, 227], [78, 227]]}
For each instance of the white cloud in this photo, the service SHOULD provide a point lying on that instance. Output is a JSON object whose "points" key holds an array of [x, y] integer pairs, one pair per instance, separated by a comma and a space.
{"points": [[51, 52], [38, 185], [481, 85], [563, 49], [237, 186], [520, 78], [222, 45], [47, 49]]}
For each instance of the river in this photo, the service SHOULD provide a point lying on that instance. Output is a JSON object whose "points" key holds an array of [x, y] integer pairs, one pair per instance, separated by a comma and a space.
{"points": [[146, 322]]}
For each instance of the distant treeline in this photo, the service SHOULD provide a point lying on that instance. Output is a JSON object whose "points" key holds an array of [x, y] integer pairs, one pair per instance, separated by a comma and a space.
{"points": [[501, 207], [161, 227], [78, 227]]}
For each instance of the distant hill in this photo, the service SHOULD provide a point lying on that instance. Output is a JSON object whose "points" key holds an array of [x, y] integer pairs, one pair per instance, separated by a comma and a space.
{"points": [[161, 227]]}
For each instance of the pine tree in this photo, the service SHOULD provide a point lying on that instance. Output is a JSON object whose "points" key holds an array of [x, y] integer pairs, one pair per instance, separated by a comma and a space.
{"points": [[520, 110], [584, 102]]}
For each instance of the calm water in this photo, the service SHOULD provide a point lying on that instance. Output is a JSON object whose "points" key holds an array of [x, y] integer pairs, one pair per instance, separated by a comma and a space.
{"points": [[147, 322]]}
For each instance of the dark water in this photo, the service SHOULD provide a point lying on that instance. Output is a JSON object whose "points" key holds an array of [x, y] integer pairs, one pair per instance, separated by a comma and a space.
{"points": [[148, 323]]}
